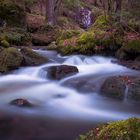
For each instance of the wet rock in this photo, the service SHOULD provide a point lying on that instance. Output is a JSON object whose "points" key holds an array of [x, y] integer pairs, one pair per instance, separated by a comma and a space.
{"points": [[31, 58], [10, 59], [62, 71], [130, 64], [134, 89], [113, 87], [21, 103]]}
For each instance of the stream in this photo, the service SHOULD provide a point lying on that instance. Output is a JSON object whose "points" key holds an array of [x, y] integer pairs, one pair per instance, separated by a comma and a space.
{"points": [[65, 108]]}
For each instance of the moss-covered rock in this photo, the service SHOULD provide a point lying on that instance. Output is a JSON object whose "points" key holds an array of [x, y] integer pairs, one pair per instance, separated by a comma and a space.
{"points": [[32, 58], [15, 36], [82, 44], [10, 59], [52, 46], [101, 22], [12, 13], [45, 35], [120, 130], [132, 45], [130, 50], [67, 34], [5, 43]]}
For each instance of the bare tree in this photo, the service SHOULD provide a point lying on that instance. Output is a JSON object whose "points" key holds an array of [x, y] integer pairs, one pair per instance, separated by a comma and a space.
{"points": [[52, 10]]}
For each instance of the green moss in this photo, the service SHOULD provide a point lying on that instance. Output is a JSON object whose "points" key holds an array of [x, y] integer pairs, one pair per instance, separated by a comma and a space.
{"points": [[83, 44], [121, 130], [62, 21], [100, 23], [5, 44], [52, 46], [12, 13], [10, 59], [71, 4], [132, 45], [16, 37], [86, 43], [67, 34]]}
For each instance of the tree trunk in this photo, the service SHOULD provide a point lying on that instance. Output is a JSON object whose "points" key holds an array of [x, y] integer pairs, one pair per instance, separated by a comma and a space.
{"points": [[50, 15], [52, 10]]}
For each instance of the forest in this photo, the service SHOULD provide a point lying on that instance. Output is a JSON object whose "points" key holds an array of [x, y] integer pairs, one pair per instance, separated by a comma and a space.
{"points": [[69, 69]]}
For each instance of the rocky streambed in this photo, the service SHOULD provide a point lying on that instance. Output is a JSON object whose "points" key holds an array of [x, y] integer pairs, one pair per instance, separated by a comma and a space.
{"points": [[66, 96]]}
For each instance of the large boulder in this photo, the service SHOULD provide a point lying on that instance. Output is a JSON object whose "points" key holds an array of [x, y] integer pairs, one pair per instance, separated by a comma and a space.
{"points": [[134, 89], [32, 58], [113, 87], [10, 59], [59, 72]]}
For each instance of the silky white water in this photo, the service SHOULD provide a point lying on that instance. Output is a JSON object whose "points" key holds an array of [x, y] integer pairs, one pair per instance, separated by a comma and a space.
{"points": [[55, 99]]}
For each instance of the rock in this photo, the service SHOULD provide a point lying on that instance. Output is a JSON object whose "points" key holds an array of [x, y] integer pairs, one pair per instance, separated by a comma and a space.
{"points": [[21, 103], [45, 35], [15, 37], [62, 71], [121, 54], [130, 50], [32, 58], [52, 46], [113, 87], [134, 89], [5, 43], [130, 64], [10, 59], [83, 84]]}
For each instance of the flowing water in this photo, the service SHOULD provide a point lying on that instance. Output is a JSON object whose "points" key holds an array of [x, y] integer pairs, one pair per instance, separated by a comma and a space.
{"points": [[65, 108]]}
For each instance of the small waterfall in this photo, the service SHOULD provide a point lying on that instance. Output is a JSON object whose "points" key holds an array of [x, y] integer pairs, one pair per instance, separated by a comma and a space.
{"points": [[126, 94], [84, 18]]}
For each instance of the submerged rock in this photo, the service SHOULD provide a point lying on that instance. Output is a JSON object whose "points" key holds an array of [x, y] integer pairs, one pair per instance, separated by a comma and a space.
{"points": [[10, 59], [62, 71], [21, 103], [113, 87], [31, 58]]}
